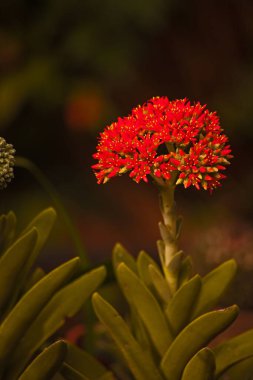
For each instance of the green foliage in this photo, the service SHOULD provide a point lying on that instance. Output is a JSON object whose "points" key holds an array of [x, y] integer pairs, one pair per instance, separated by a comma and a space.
{"points": [[34, 305], [168, 333]]}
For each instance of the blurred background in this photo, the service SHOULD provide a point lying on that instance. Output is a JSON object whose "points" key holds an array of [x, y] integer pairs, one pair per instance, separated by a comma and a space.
{"points": [[69, 68]]}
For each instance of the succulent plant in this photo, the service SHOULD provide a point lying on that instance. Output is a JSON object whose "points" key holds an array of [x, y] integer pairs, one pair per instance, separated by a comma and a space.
{"points": [[33, 304]]}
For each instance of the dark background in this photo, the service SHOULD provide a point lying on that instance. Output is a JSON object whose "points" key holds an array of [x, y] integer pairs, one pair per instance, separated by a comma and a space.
{"points": [[69, 68]]}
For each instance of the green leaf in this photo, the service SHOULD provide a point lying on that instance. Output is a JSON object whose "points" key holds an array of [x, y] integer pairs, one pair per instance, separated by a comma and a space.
{"points": [[233, 350], [138, 296], [178, 310], [195, 336], [70, 373], [43, 223], [85, 364], [160, 284], [121, 255], [143, 262], [7, 230], [214, 285], [201, 366], [241, 370], [26, 310], [35, 277], [12, 264], [185, 271], [138, 360], [46, 364], [64, 304]]}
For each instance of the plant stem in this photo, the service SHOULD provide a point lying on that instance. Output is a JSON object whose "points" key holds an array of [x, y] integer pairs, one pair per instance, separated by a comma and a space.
{"points": [[50, 189], [170, 255]]}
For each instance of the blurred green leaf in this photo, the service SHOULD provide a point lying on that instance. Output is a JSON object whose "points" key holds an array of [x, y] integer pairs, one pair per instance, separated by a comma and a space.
{"points": [[136, 357], [240, 370], [86, 364], [18, 321], [143, 262], [33, 278], [185, 271], [138, 295], [195, 336], [214, 285], [201, 366], [64, 304], [47, 363], [160, 284], [7, 230], [70, 373], [12, 264], [178, 310], [233, 350], [121, 255], [44, 223]]}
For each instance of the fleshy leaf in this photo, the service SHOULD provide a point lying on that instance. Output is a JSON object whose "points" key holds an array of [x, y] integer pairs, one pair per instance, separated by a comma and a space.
{"points": [[195, 336], [214, 285], [139, 296], [70, 373], [46, 364], [143, 262], [121, 255], [233, 350], [137, 359], [160, 284], [7, 230], [179, 308], [85, 364], [185, 271], [12, 264], [64, 304], [34, 277], [241, 370], [201, 366], [26, 310]]}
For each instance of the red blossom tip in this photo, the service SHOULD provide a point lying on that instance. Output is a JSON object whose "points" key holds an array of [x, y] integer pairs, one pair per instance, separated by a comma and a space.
{"points": [[165, 139]]}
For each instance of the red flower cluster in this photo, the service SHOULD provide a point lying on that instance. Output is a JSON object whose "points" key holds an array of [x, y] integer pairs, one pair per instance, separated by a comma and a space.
{"points": [[164, 138]]}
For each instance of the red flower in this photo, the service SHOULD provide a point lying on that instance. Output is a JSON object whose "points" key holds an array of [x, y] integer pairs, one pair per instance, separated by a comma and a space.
{"points": [[196, 149]]}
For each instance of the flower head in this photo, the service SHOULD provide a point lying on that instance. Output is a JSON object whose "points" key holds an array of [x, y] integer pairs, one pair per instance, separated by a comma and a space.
{"points": [[6, 162], [168, 140]]}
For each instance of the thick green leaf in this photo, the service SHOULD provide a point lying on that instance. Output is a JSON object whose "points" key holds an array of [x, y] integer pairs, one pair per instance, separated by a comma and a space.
{"points": [[214, 285], [241, 370], [233, 350], [64, 304], [201, 366], [46, 364], [70, 373], [194, 337], [26, 310], [12, 264], [178, 310], [139, 296], [7, 230], [160, 284], [85, 364], [34, 277], [43, 223], [121, 255], [143, 262], [138, 360], [185, 271]]}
